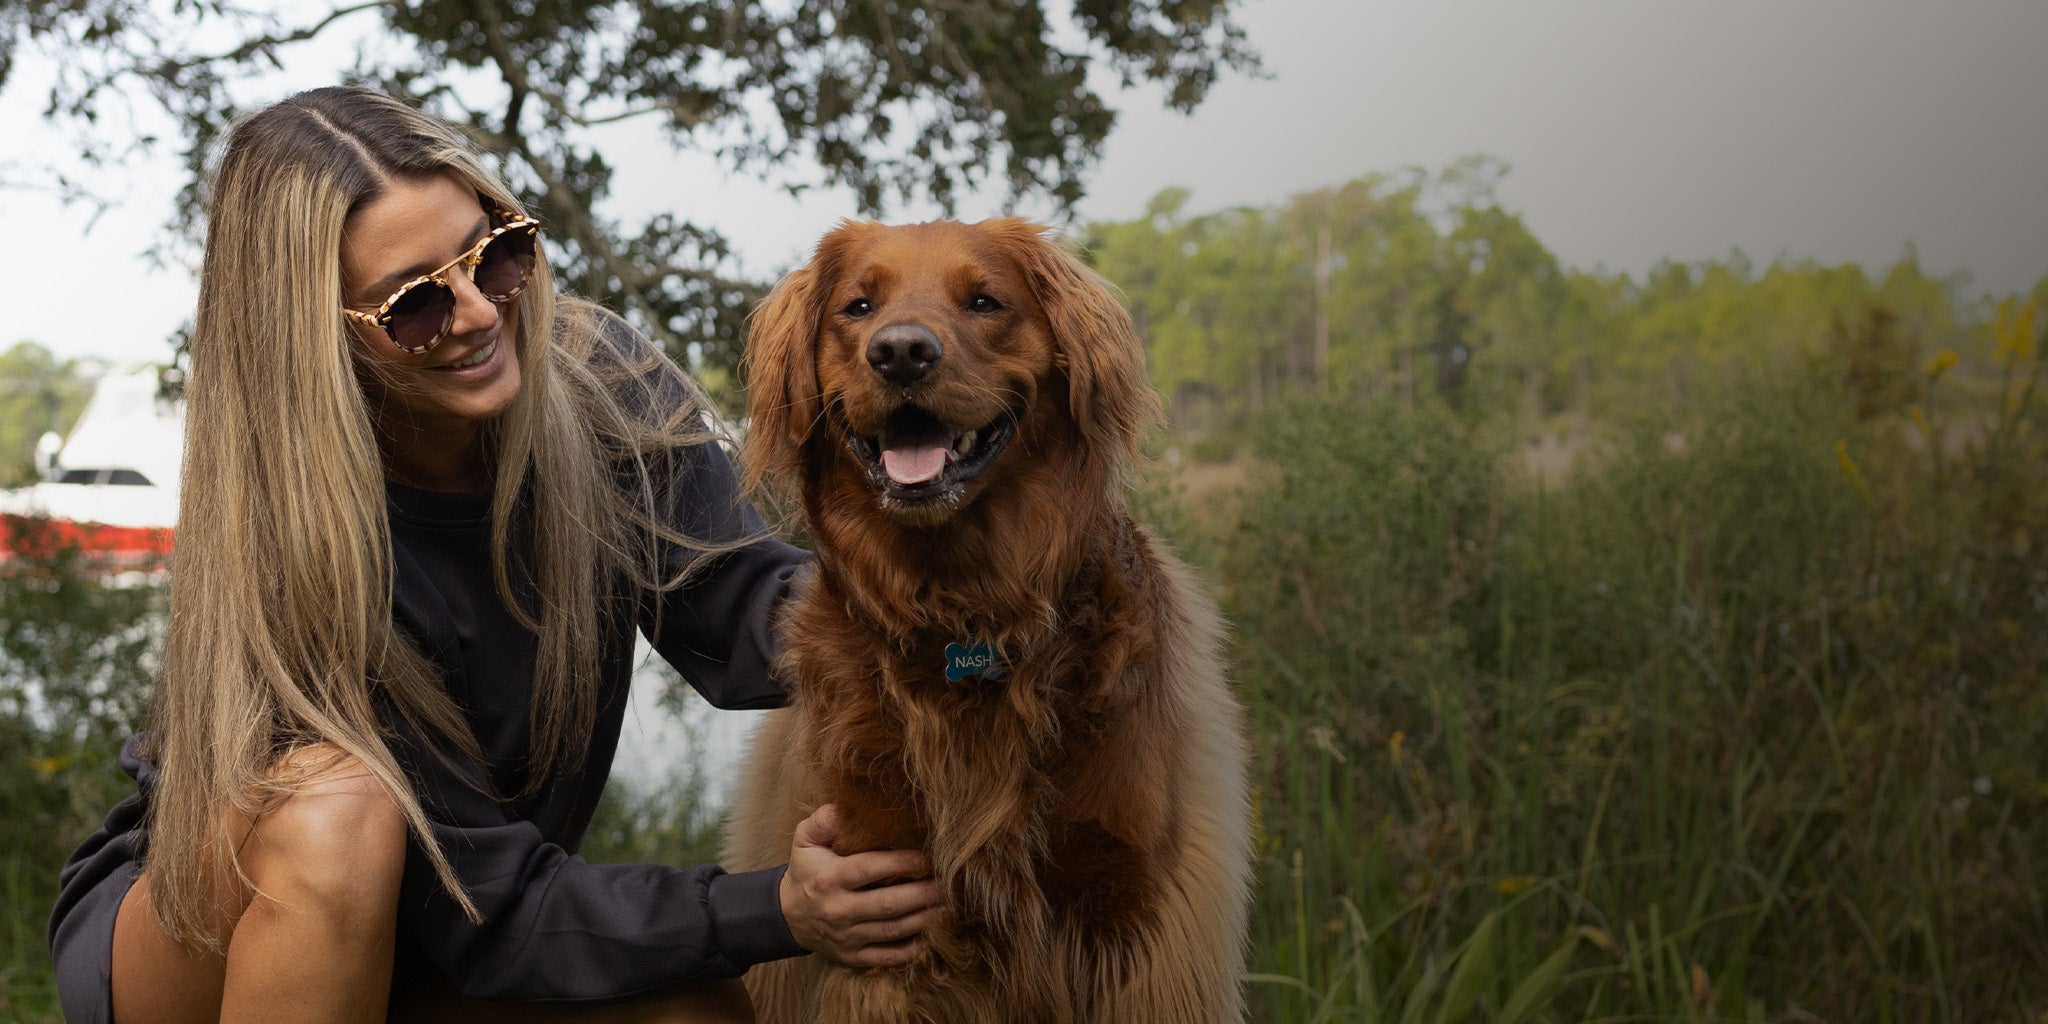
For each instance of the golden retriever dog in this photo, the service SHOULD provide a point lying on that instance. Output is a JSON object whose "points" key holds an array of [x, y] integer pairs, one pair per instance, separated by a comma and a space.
{"points": [[992, 662]]}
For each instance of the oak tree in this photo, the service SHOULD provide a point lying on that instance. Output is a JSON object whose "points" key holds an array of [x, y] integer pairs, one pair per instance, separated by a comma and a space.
{"points": [[895, 101]]}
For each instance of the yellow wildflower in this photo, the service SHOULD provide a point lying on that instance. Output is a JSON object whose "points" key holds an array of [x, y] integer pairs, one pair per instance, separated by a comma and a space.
{"points": [[1939, 365], [1513, 884], [2015, 331], [1394, 745]]}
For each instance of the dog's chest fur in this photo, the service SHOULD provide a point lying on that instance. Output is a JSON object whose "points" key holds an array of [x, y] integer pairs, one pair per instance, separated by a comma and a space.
{"points": [[1021, 787]]}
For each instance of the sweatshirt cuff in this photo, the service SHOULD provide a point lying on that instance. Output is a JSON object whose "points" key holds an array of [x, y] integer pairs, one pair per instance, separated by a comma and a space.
{"points": [[746, 910]]}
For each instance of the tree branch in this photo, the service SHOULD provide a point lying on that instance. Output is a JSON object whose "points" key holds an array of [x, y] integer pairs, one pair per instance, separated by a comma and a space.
{"points": [[596, 246], [510, 67], [250, 47]]}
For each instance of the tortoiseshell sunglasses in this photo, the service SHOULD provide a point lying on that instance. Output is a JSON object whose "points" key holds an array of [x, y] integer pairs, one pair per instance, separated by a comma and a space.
{"points": [[417, 316]]}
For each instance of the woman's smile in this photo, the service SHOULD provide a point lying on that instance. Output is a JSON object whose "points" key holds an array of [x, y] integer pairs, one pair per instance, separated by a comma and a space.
{"points": [[476, 358]]}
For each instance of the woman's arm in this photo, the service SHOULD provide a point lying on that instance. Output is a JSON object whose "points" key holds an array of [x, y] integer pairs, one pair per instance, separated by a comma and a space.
{"points": [[717, 628], [557, 927]]}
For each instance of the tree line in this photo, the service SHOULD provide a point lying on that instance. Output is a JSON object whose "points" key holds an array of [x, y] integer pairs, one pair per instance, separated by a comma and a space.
{"points": [[1415, 284]]}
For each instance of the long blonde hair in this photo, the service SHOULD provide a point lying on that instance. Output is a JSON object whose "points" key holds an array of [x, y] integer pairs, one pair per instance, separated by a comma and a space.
{"points": [[281, 591]]}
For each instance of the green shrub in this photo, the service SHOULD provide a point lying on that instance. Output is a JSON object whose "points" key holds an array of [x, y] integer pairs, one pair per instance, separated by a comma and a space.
{"points": [[76, 657]]}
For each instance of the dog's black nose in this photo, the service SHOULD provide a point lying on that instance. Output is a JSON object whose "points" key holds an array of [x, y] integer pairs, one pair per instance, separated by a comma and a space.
{"points": [[902, 353]]}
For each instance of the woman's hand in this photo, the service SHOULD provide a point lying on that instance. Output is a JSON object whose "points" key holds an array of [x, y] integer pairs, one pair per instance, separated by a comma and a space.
{"points": [[831, 910]]}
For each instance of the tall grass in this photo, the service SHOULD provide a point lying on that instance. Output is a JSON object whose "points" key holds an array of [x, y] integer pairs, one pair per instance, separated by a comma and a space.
{"points": [[1741, 719]]}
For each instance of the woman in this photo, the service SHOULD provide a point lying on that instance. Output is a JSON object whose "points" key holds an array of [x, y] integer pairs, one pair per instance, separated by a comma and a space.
{"points": [[425, 504]]}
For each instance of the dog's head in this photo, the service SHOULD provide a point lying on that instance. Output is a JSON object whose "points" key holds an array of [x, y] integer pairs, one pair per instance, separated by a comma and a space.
{"points": [[933, 363]]}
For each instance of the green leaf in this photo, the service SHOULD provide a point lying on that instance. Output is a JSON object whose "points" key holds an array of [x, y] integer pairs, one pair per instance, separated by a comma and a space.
{"points": [[1283, 979], [1469, 976], [1537, 988]]}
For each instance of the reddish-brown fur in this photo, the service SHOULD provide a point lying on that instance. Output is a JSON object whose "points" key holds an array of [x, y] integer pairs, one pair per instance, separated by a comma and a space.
{"points": [[1087, 812]]}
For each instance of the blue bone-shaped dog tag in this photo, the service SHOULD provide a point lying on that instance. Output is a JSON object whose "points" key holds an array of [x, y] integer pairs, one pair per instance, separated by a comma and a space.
{"points": [[965, 662]]}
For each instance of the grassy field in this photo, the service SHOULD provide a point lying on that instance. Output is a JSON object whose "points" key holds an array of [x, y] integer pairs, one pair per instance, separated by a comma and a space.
{"points": [[1740, 718], [1731, 712]]}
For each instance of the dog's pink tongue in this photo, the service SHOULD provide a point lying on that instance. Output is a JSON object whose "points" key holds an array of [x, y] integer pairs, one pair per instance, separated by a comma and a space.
{"points": [[914, 464]]}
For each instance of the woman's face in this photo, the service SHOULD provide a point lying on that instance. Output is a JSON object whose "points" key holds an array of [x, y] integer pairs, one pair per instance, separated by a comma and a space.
{"points": [[472, 375]]}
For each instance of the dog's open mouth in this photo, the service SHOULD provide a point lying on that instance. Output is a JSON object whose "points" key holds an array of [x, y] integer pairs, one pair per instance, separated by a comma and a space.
{"points": [[916, 458]]}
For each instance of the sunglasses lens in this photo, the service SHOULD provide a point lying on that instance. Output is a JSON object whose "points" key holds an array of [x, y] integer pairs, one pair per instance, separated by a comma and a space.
{"points": [[506, 263], [419, 316]]}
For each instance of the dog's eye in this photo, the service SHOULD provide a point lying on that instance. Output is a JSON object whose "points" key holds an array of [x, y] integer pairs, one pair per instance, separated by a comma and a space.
{"points": [[983, 304], [858, 308]]}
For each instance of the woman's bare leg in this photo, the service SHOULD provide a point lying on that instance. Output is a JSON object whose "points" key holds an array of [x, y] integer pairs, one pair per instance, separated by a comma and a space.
{"points": [[311, 941], [315, 942], [157, 981]]}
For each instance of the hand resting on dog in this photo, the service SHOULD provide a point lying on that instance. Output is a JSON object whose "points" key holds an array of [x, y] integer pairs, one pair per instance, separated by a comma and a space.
{"points": [[838, 907]]}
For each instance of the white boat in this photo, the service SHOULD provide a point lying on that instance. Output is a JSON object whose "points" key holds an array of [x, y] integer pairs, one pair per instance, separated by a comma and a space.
{"points": [[111, 490]]}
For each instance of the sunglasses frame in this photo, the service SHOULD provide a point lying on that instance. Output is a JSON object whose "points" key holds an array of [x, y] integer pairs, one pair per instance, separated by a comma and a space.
{"points": [[468, 261]]}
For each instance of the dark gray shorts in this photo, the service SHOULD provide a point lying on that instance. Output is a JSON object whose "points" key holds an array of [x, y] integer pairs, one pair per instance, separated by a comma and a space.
{"points": [[93, 883]]}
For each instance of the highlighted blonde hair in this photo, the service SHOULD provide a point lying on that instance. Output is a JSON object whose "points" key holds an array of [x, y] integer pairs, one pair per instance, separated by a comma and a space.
{"points": [[280, 633]]}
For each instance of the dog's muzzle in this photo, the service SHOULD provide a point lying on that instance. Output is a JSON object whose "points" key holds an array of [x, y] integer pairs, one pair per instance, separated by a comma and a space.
{"points": [[916, 459]]}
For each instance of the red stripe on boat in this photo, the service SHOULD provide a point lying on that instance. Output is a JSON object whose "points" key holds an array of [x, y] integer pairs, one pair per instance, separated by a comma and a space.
{"points": [[30, 537]]}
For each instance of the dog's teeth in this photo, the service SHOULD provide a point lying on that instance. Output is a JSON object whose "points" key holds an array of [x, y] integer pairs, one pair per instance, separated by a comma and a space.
{"points": [[965, 444]]}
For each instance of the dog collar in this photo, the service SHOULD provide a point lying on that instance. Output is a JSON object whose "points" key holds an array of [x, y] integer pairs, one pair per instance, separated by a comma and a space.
{"points": [[965, 661]]}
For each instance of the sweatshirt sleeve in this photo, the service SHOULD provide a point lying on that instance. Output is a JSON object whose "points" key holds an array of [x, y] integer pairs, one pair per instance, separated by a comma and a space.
{"points": [[558, 928], [718, 627]]}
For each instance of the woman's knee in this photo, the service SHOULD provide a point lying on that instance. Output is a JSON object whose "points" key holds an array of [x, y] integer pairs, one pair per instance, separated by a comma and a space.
{"points": [[334, 833], [327, 850]]}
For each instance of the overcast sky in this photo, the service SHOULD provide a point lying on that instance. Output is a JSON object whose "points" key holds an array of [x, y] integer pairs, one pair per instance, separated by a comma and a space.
{"points": [[1637, 130]]}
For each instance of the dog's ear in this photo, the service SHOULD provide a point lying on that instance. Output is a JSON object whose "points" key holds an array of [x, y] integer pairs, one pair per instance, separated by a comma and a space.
{"points": [[780, 365], [780, 368], [1109, 396]]}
